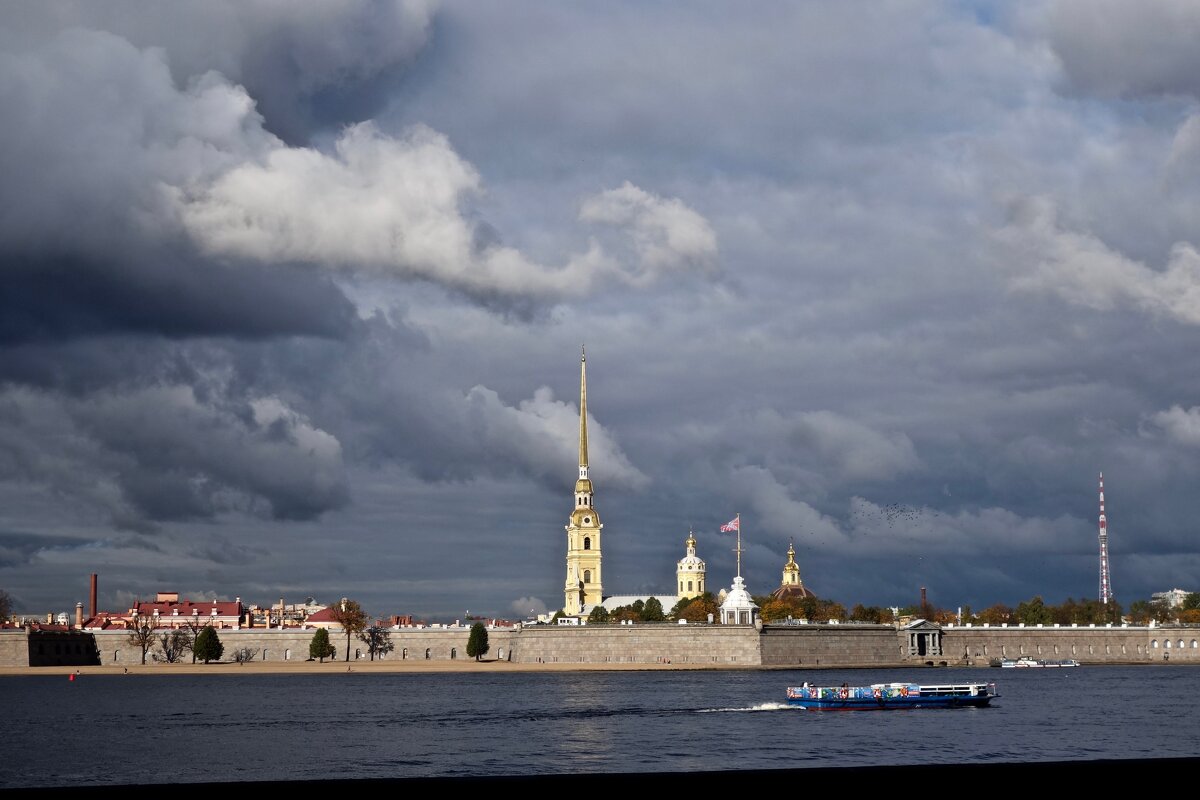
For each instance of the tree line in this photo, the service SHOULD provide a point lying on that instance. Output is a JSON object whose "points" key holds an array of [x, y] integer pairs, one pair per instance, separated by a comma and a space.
{"points": [[1035, 611], [200, 639]]}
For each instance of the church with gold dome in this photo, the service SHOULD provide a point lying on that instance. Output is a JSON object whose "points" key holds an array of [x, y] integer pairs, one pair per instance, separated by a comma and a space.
{"points": [[583, 589]]}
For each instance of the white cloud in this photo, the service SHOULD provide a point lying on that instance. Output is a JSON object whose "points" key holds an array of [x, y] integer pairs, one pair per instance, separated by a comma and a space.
{"points": [[396, 204], [1083, 270], [542, 435], [667, 235], [1179, 424]]}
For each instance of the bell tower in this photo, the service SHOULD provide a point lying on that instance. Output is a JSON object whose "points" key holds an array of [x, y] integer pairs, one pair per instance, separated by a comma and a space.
{"points": [[583, 588]]}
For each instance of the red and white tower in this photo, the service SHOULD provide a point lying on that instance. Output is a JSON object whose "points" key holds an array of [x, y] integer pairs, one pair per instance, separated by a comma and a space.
{"points": [[1105, 586]]}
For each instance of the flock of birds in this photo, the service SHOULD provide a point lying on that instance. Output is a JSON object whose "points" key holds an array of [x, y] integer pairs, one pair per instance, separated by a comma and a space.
{"points": [[893, 513]]}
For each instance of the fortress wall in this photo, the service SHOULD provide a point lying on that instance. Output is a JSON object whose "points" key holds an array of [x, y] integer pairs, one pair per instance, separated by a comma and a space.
{"points": [[640, 643], [831, 646], [800, 646], [291, 644], [14, 647], [1086, 644]]}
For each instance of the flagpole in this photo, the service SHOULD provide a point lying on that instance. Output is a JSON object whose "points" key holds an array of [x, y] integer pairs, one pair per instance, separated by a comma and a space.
{"points": [[739, 543]]}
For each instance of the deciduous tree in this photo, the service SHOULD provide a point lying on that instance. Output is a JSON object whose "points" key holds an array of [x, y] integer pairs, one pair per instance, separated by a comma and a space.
{"points": [[351, 617], [193, 625], [598, 616], [244, 655], [173, 645], [378, 639], [142, 632], [698, 608]]}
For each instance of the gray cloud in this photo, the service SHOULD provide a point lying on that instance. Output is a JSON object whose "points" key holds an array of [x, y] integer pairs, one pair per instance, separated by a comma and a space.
{"points": [[297, 299], [1119, 49]]}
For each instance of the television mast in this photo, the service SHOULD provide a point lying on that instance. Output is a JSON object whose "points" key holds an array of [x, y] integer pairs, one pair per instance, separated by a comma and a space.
{"points": [[1105, 586]]}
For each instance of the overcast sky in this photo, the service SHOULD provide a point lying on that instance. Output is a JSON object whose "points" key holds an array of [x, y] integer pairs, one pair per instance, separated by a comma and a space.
{"points": [[292, 298]]}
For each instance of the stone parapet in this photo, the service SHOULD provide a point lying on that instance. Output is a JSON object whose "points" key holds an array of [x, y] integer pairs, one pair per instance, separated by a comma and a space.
{"points": [[640, 643], [717, 646]]}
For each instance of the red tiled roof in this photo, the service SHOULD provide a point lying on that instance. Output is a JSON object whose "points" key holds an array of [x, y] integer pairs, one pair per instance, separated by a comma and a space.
{"points": [[186, 608], [324, 615]]}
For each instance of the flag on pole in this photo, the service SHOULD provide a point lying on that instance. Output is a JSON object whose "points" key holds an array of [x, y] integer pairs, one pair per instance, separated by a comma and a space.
{"points": [[732, 525]]}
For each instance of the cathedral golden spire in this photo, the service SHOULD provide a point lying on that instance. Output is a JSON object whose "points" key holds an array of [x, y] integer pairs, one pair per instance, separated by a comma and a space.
{"points": [[583, 461]]}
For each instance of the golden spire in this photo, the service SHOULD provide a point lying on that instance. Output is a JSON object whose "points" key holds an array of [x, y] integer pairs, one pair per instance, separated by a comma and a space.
{"points": [[583, 461]]}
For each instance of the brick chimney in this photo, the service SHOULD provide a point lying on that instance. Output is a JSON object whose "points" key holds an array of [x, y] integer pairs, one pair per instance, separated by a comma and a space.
{"points": [[79, 615], [93, 595]]}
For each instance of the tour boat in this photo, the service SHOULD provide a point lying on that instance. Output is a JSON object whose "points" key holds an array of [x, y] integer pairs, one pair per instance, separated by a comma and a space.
{"points": [[892, 695], [1027, 661]]}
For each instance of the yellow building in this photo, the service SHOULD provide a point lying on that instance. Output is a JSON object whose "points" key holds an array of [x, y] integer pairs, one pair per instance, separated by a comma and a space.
{"points": [[584, 586], [690, 572]]}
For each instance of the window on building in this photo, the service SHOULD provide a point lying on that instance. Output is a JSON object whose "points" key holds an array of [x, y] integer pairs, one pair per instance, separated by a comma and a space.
{"points": [[453, 653], [689, 586], [426, 653], [587, 576], [287, 654], [587, 541]]}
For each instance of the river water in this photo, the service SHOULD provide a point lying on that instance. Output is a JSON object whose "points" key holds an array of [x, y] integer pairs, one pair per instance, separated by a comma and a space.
{"points": [[113, 730]]}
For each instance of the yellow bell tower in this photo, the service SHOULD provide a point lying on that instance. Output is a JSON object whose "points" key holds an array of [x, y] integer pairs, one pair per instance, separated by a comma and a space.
{"points": [[689, 571], [583, 588]]}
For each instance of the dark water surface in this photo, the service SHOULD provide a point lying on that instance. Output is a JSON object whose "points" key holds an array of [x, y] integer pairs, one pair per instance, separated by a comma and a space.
{"points": [[111, 730]]}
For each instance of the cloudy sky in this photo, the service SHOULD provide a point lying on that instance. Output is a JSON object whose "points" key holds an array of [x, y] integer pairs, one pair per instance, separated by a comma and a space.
{"points": [[292, 298]]}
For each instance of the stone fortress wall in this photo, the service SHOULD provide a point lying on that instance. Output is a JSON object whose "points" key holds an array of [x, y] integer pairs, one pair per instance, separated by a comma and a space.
{"points": [[718, 646]]}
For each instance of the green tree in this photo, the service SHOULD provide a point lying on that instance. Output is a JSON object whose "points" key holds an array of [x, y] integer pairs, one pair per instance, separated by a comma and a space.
{"points": [[1033, 612], [320, 648], [378, 640], [861, 613], [142, 632], [351, 617], [208, 645], [5, 606], [477, 642], [598, 616], [1191, 601], [652, 611]]}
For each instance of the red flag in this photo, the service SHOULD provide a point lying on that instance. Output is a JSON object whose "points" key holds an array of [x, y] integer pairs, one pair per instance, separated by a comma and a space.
{"points": [[731, 526]]}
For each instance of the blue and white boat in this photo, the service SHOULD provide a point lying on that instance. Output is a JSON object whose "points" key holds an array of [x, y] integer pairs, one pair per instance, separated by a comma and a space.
{"points": [[1027, 661], [892, 695]]}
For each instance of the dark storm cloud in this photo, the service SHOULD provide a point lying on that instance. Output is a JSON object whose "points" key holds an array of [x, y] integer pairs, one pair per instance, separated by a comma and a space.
{"points": [[145, 454], [18, 549], [894, 282], [169, 293]]}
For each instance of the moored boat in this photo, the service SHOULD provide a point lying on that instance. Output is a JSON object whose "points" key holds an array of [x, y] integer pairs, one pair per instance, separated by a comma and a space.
{"points": [[892, 695], [1027, 661]]}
